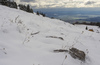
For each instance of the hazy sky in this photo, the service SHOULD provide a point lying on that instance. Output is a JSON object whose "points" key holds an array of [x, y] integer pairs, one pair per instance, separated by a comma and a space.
{"points": [[60, 3]]}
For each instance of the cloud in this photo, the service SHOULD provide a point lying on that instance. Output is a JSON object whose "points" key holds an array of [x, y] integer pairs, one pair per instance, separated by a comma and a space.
{"points": [[89, 2], [27, 0], [60, 3]]}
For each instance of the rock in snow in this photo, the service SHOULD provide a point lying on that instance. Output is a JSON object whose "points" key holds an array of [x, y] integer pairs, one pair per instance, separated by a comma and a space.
{"points": [[75, 53]]}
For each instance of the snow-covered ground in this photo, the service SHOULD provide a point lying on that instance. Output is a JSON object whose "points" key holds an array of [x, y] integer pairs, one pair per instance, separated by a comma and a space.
{"points": [[24, 40]]}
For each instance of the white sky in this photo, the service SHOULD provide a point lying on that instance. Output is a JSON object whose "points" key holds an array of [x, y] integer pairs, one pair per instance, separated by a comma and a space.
{"points": [[60, 3]]}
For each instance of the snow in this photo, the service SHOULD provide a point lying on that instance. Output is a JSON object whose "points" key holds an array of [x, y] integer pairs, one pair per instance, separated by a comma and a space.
{"points": [[23, 40]]}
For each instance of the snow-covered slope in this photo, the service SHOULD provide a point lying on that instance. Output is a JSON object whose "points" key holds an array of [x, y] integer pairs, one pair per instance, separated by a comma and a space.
{"points": [[25, 39]]}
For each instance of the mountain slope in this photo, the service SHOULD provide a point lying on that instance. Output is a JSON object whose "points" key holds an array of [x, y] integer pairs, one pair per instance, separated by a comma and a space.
{"points": [[25, 39]]}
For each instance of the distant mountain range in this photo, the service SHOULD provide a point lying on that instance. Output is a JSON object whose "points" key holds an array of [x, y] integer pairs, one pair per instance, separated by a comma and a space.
{"points": [[94, 19]]}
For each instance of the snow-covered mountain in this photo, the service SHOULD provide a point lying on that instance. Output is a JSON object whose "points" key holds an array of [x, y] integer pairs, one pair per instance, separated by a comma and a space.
{"points": [[29, 39]]}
